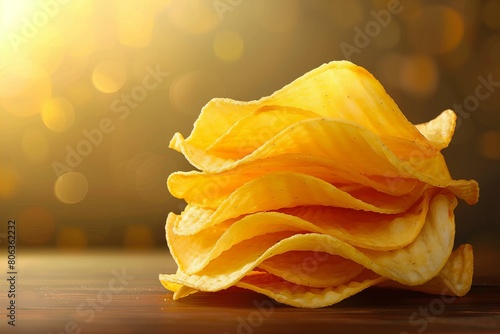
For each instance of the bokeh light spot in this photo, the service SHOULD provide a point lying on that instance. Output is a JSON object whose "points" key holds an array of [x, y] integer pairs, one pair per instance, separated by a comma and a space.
{"points": [[228, 46], [419, 76], [489, 145], [36, 225], [71, 188], [109, 75], [71, 237], [58, 114], [138, 237], [32, 86], [436, 29]]}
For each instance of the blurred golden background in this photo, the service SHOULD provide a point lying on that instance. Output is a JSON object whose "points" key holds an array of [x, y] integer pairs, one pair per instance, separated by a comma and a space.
{"points": [[92, 91]]}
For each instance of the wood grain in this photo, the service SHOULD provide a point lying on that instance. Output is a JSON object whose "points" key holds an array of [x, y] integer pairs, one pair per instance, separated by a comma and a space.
{"points": [[111, 292]]}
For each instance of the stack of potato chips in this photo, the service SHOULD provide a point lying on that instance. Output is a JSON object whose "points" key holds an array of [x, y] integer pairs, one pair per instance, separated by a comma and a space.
{"points": [[315, 193]]}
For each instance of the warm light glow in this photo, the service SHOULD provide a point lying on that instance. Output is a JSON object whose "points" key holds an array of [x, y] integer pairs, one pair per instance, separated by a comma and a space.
{"points": [[109, 75], [83, 90], [491, 12], [228, 46], [37, 226], [12, 13], [35, 145], [489, 145], [192, 90], [9, 181], [32, 88], [129, 16], [279, 16], [58, 114], [436, 29], [150, 180], [71, 188], [137, 237], [193, 16], [389, 36], [345, 14], [419, 75], [71, 238]]}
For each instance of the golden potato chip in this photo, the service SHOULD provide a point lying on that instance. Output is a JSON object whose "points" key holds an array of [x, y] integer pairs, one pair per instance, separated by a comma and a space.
{"points": [[315, 193], [439, 131], [339, 90], [313, 269], [362, 229], [286, 189], [204, 189], [242, 138], [327, 137], [412, 265], [303, 296], [337, 140], [454, 279]]}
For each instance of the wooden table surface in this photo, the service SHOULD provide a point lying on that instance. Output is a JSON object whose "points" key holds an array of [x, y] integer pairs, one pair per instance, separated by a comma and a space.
{"points": [[111, 292]]}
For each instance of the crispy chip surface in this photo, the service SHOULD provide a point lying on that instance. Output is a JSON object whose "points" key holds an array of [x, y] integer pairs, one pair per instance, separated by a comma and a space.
{"points": [[337, 140], [454, 279], [316, 192], [361, 229], [284, 190], [414, 264], [339, 90]]}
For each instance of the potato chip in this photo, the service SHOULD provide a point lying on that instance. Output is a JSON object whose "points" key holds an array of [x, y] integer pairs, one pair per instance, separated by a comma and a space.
{"points": [[455, 279], [241, 139], [313, 269], [339, 90], [202, 188], [362, 229], [308, 297], [286, 189], [337, 140], [414, 264], [315, 193], [327, 137], [453, 282], [439, 131]]}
